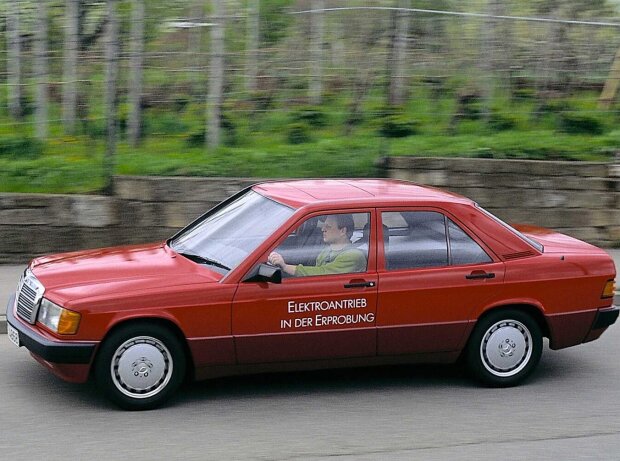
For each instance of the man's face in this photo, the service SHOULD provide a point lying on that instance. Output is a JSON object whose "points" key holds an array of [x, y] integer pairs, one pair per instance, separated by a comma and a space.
{"points": [[331, 233]]}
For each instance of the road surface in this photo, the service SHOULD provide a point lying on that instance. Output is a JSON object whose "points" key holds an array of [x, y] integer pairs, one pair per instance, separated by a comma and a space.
{"points": [[569, 409]]}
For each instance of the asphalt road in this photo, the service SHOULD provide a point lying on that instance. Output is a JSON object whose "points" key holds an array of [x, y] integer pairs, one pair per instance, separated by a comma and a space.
{"points": [[568, 410], [9, 277]]}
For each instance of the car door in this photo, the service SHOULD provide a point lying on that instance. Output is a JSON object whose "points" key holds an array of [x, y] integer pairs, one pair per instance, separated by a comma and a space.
{"points": [[311, 317], [433, 273]]}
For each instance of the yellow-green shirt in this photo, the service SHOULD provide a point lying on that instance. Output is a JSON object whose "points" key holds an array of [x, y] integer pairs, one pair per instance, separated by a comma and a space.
{"points": [[349, 259]]}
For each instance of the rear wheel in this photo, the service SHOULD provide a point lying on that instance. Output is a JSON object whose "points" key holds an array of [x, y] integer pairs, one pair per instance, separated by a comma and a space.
{"points": [[140, 366], [504, 348]]}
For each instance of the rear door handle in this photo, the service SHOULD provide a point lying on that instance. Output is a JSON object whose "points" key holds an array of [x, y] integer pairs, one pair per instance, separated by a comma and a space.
{"points": [[480, 275], [359, 284]]}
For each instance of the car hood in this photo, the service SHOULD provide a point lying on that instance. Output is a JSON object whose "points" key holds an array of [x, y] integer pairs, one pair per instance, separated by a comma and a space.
{"points": [[113, 272], [556, 242]]}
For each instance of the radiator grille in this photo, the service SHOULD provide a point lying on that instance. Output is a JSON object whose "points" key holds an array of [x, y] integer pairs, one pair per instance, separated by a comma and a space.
{"points": [[28, 298]]}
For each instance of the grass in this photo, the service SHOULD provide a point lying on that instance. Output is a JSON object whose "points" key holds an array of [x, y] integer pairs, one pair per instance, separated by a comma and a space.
{"points": [[257, 143]]}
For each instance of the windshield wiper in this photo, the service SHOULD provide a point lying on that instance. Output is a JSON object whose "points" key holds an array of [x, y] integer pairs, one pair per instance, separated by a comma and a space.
{"points": [[202, 260]]}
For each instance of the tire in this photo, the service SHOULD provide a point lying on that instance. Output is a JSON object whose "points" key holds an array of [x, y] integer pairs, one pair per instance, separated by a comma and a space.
{"points": [[504, 348], [140, 366]]}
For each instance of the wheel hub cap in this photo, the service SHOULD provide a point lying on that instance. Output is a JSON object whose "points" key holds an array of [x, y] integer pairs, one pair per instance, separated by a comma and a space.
{"points": [[141, 367], [506, 348]]}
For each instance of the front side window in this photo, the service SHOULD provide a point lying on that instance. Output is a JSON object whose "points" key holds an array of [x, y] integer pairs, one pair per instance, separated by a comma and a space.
{"points": [[419, 239], [227, 236], [323, 245]]}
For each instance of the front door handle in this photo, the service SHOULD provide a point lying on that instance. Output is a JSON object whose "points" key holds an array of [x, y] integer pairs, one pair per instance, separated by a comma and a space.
{"points": [[363, 284], [480, 275]]}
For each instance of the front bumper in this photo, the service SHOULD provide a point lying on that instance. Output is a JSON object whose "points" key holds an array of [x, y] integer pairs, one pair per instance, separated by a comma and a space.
{"points": [[54, 351]]}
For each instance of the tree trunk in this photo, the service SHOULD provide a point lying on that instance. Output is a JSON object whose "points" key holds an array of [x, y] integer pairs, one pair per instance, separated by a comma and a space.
{"points": [[489, 57], [611, 84], [41, 69], [317, 25], [397, 59], [14, 59], [137, 55], [547, 72], [111, 76], [216, 77], [362, 86], [72, 40], [337, 44], [252, 46], [194, 60]]}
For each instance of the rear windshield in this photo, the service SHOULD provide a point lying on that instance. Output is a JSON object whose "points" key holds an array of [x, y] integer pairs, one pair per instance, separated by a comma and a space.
{"points": [[527, 239]]}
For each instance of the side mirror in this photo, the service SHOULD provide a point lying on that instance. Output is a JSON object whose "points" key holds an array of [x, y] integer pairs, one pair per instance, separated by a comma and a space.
{"points": [[265, 273]]}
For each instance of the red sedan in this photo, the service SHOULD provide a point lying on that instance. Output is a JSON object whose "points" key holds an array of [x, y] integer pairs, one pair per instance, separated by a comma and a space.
{"points": [[314, 274]]}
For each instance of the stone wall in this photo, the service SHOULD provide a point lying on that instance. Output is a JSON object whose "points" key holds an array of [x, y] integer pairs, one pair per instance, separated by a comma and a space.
{"points": [[143, 210], [581, 199]]}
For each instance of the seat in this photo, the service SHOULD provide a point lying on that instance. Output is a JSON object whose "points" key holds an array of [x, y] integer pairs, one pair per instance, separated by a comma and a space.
{"points": [[421, 247], [362, 243], [305, 245]]}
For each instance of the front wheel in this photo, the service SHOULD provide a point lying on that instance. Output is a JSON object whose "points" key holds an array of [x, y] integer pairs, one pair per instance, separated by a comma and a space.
{"points": [[504, 348], [140, 366]]}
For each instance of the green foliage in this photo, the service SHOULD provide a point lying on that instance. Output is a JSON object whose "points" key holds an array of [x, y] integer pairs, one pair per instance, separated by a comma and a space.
{"points": [[164, 123], [471, 111], [397, 126], [313, 116], [298, 133], [274, 21], [19, 147], [196, 139], [262, 100], [354, 119], [75, 165], [180, 103], [50, 174], [469, 104], [501, 122], [577, 123], [575, 8], [523, 94], [96, 128], [305, 141], [551, 107], [230, 136]]}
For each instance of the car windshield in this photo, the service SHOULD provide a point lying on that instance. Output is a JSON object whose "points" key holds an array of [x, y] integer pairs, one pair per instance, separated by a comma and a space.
{"points": [[227, 236]]}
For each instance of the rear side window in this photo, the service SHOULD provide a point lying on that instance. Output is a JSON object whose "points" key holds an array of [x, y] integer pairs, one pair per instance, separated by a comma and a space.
{"points": [[419, 239], [463, 249], [416, 239]]}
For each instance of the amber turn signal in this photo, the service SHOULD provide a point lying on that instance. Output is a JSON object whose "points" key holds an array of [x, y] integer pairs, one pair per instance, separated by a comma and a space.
{"points": [[68, 323], [610, 289]]}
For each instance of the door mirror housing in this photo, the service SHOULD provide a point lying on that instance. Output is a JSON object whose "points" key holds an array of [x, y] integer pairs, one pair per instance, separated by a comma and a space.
{"points": [[265, 273]]}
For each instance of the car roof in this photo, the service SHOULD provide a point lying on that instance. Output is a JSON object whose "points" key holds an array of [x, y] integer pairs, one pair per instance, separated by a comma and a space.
{"points": [[298, 193]]}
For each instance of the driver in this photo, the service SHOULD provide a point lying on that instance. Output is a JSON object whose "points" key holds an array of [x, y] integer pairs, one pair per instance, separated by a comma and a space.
{"points": [[338, 257]]}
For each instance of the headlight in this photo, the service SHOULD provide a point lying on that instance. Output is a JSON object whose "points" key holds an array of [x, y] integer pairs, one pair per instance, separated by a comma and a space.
{"points": [[58, 319]]}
